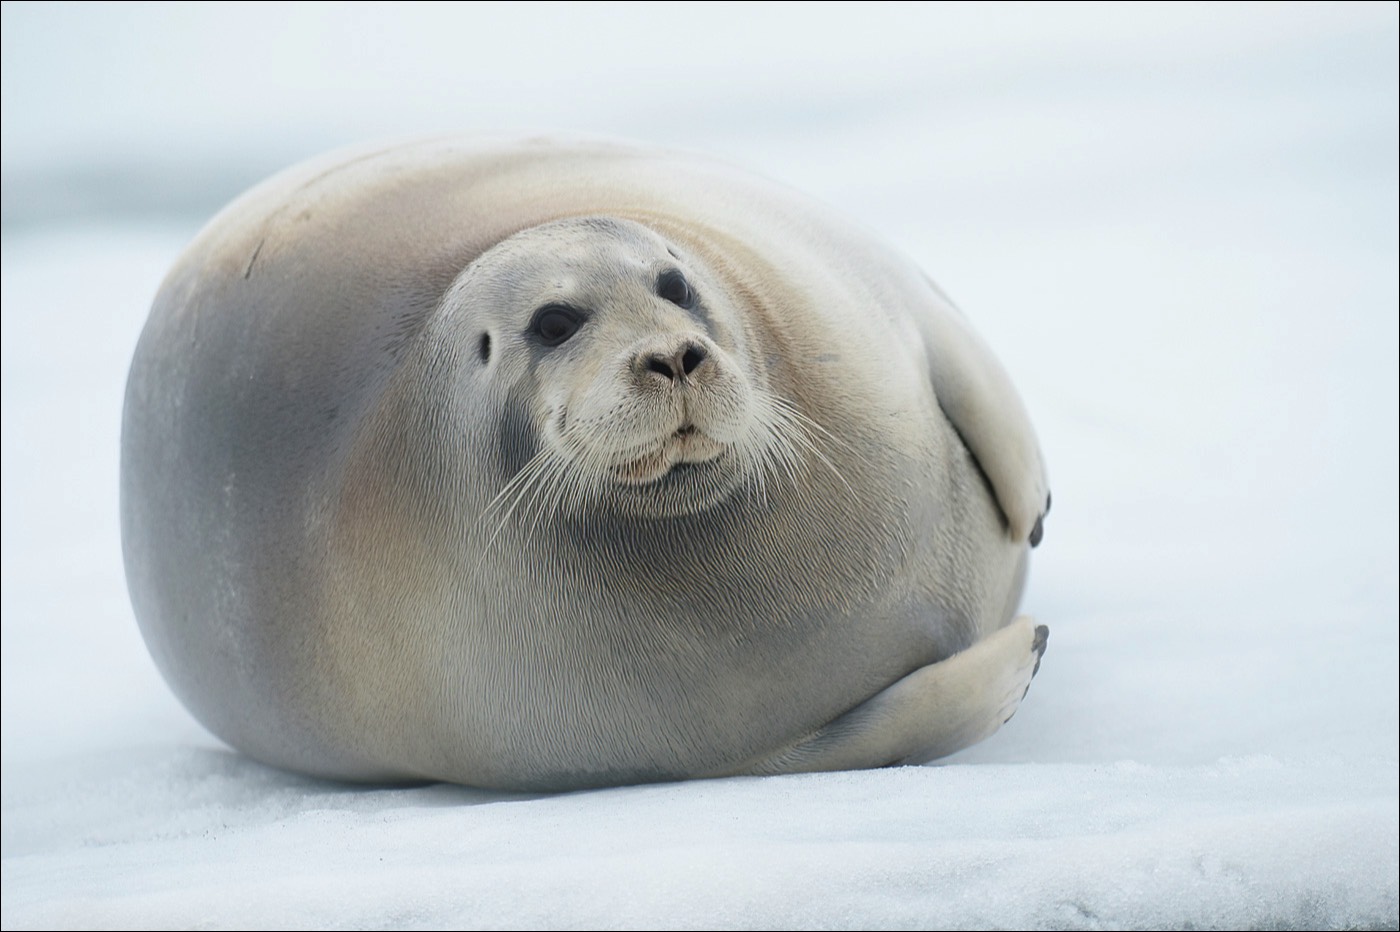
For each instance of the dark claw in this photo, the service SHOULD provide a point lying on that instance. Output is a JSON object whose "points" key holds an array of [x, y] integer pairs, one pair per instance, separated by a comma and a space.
{"points": [[1038, 531], [1042, 638]]}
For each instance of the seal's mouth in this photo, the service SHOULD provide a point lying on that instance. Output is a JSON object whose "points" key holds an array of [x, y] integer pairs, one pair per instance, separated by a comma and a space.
{"points": [[683, 449]]}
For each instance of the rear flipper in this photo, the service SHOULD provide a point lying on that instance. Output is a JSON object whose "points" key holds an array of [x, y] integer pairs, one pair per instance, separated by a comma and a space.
{"points": [[932, 712]]}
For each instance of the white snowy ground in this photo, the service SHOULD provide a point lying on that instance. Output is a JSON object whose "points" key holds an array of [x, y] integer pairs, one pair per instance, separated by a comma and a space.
{"points": [[1188, 261]]}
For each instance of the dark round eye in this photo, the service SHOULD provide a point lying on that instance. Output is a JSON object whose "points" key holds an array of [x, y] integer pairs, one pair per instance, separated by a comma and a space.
{"points": [[673, 287], [555, 323]]}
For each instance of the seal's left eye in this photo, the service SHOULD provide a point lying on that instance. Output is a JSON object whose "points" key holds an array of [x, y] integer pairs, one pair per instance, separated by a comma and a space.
{"points": [[555, 323], [673, 287]]}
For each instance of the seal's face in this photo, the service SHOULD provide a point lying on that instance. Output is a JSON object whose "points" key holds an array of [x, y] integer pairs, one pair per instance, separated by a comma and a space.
{"points": [[631, 369]]}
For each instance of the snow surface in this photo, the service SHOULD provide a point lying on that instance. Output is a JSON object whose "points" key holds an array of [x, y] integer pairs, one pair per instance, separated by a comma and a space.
{"points": [[1178, 228]]}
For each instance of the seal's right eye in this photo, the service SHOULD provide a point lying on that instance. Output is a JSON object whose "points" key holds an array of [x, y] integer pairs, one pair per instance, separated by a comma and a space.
{"points": [[555, 323]]}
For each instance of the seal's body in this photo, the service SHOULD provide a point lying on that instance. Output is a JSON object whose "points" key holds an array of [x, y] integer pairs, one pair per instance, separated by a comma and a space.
{"points": [[543, 465]]}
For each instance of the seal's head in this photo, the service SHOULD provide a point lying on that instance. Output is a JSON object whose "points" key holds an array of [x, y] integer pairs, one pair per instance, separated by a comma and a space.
{"points": [[623, 370]]}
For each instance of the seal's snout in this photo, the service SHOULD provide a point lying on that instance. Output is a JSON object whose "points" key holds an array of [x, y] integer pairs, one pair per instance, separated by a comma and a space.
{"points": [[674, 364]]}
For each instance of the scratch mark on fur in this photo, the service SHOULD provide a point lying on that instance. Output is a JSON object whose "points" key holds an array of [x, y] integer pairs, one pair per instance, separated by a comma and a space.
{"points": [[254, 258]]}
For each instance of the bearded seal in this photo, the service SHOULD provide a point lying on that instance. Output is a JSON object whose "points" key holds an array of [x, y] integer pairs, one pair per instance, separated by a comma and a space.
{"points": [[545, 465]]}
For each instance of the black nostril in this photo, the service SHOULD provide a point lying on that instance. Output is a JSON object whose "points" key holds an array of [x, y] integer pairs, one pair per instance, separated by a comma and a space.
{"points": [[660, 365], [694, 356], [674, 367]]}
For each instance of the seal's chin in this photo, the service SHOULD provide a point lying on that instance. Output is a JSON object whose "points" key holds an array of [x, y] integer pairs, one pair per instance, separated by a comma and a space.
{"points": [[679, 452]]}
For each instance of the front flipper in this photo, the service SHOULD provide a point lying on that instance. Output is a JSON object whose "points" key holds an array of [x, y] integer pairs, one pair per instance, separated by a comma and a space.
{"points": [[932, 712], [980, 402]]}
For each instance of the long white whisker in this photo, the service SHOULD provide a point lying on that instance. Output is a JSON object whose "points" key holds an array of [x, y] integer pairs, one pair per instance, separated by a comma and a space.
{"points": [[804, 432], [522, 486], [546, 493]]}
